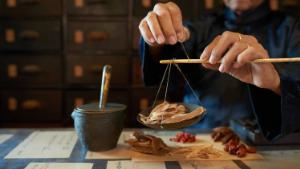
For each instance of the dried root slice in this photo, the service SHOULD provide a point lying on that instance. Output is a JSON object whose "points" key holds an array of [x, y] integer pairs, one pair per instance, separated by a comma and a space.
{"points": [[148, 144], [167, 113], [186, 116], [231, 142]]}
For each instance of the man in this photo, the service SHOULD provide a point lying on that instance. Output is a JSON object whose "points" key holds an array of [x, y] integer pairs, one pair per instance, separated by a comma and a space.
{"points": [[229, 86]]}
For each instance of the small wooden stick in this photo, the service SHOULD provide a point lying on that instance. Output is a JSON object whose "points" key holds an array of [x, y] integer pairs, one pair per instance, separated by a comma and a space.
{"points": [[193, 61]]}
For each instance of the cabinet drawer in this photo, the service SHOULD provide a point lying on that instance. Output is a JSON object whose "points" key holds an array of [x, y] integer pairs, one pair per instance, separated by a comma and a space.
{"points": [[94, 37], [30, 36], [88, 69], [31, 106], [97, 7], [78, 98], [142, 98], [30, 70], [32, 8]]}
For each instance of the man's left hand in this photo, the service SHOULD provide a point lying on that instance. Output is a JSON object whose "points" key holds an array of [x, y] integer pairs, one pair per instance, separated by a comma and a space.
{"points": [[233, 52]]}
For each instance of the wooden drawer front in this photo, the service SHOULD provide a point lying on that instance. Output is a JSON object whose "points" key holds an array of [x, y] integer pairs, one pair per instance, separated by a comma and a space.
{"points": [[94, 37], [77, 98], [28, 70], [97, 7], [31, 106], [142, 7], [88, 69], [142, 98], [30, 36], [32, 8]]}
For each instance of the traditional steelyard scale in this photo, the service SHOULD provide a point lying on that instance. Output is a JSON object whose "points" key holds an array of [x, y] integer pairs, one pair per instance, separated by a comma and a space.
{"points": [[191, 107]]}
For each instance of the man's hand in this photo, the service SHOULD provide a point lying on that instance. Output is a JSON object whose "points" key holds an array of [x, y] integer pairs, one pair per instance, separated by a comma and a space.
{"points": [[163, 25], [232, 53]]}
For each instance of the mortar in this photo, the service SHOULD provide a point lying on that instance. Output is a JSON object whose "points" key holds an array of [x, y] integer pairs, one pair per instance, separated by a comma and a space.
{"points": [[99, 125]]}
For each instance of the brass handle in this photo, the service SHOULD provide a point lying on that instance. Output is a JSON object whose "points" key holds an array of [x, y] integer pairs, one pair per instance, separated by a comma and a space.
{"points": [[98, 36], [29, 35], [31, 69], [29, 2], [31, 104], [94, 2]]}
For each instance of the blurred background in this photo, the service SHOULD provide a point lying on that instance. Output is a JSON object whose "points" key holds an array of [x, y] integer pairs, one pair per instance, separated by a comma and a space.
{"points": [[52, 53]]}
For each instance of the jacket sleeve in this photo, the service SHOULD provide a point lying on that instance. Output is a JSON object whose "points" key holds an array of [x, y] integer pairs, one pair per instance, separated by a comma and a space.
{"points": [[277, 115]]}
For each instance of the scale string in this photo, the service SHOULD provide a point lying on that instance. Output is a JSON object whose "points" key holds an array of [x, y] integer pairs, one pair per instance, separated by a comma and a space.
{"points": [[184, 50], [188, 83], [160, 85], [168, 80]]}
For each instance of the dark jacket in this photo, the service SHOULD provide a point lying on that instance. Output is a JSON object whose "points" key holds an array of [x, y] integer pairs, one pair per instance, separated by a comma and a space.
{"points": [[225, 97]]}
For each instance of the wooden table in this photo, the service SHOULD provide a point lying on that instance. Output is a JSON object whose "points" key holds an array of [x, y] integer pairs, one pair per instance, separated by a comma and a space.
{"points": [[287, 157]]}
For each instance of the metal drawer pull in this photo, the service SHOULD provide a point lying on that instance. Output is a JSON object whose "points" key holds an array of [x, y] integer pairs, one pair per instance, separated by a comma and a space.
{"points": [[31, 105], [12, 70], [78, 37], [29, 35], [12, 104], [93, 2], [98, 36], [78, 71], [146, 3], [11, 3], [29, 2], [78, 101], [31, 69], [10, 36]]}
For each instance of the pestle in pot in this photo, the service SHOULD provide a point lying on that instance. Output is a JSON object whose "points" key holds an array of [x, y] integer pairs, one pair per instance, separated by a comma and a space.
{"points": [[106, 76]]}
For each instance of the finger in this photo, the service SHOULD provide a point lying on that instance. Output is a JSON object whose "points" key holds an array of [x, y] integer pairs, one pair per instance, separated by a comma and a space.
{"points": [[231, 56], [207, 51], [248, 55], [227, 39], [176, 17], [165, 21], [146, 32], [211, 66], [154, 26]]}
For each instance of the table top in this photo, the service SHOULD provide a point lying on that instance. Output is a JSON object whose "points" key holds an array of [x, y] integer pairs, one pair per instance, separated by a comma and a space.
{"points": [[274, 156]]}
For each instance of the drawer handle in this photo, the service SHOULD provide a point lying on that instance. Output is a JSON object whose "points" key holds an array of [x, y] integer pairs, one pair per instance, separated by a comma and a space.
{"points": [[31, 105], [93, 2], [29, 35], [29, 2], [97, 36], [31, 69]]}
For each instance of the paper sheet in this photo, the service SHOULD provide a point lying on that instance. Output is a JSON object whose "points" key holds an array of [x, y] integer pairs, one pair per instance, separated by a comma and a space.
{"points": [[122, 151], [208, 165], [135, 165], [45, 144], [4, 137], [59, 166], [277, 159], [202, 140], [124, 164]]}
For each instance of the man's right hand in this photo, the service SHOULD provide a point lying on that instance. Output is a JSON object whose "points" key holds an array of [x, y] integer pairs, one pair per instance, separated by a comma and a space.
{"points": [[164, 25]]}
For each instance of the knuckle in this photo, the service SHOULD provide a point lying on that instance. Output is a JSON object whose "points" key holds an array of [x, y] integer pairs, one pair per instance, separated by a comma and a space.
{"points": [[150, 15], [163, 13], [158, 7], [253, 39], [226, 33], [142, 24]]}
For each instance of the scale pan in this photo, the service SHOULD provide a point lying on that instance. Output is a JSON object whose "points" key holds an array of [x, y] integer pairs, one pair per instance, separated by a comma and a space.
{"points": [[176, 125]]}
